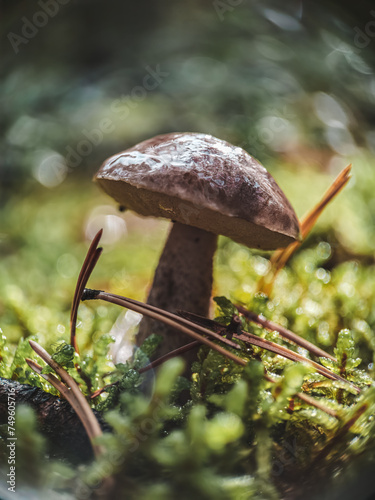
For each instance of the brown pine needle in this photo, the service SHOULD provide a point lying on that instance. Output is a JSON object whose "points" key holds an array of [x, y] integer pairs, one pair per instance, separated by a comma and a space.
{"points": [[281, 256], [340, 434], [97, 393], [154, 364], [170, 355], [75, 398], [88, 265], [293, 356], [313, 402], [284, 332], [57, 384]]}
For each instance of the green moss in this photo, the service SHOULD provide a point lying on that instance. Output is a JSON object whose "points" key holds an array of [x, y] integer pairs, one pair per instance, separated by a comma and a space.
{"points": [[226, 432]]}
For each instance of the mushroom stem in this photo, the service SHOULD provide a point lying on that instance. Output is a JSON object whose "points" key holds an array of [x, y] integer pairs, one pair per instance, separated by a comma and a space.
{"points": [[183, 280]]}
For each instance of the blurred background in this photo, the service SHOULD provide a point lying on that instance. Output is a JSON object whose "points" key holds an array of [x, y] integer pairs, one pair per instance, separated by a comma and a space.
{"points": [[292, 83]]}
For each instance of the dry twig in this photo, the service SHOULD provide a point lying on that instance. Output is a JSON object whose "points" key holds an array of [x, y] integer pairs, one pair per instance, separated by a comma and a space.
{"points": [[281, 256]]}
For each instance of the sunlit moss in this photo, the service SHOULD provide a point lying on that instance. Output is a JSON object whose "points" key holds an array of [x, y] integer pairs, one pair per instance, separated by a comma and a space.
{"points": [[227, 430]]}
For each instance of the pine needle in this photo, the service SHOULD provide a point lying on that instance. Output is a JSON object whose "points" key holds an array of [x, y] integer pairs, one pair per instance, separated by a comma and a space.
{"points": [[71, 392], [281, 256], [88, 265]]}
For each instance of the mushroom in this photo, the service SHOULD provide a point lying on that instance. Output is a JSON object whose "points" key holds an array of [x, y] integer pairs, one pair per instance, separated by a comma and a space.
{"points": [[207, 187]]}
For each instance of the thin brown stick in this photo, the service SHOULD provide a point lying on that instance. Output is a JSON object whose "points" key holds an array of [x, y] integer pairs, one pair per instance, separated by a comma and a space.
{"points": [[169, 355], [198, 320], [154, 364], [340, 434], [308, 399], [77, 399], [269, 325], [313, 402], [80, 288], [88, 265], [284, 332], [281, 256], [293, 356], [49, 377], [97, 393], [309, 220], [58, 385]]}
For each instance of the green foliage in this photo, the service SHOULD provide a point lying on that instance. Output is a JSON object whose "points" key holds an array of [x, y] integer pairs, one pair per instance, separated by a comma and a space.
{"points": [[225, 442], [226, 309], [64, 354], [149, 346], [126, 377], [347, 361], [13, 365], [226, 432], [5, 357]]}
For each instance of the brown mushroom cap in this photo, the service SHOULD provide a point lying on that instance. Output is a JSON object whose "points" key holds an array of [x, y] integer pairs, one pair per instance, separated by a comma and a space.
{"points": [[202, 181]]}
